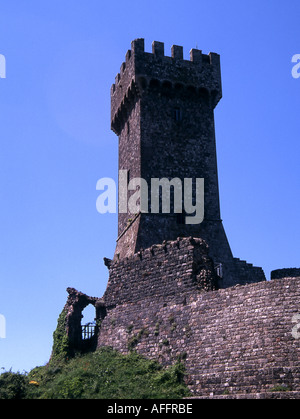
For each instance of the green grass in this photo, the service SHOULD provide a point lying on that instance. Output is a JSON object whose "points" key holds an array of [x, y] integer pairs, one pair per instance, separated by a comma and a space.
{"points": [[104, 374]]}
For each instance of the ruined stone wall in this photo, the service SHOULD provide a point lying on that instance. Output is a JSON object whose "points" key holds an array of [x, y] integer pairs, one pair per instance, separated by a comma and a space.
{"points": [[234, 340], [285, 273], [168, 269], [71, 329]]}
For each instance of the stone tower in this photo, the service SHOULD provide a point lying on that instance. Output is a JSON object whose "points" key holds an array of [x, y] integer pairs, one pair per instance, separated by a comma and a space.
{"points": [[162, 109], [162, 298]]}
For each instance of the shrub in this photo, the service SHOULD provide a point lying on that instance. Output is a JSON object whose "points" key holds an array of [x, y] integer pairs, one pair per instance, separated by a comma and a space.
{"points": [[103, 374], [106, 374], [13, 385]]}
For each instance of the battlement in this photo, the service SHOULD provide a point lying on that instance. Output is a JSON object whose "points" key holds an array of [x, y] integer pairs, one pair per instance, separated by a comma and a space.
{"points": [[173, 267], [285, 273], [142, 71]]}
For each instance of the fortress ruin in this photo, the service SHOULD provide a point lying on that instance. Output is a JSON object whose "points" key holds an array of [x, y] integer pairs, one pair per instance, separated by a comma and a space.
{"points": [[175, 289]]}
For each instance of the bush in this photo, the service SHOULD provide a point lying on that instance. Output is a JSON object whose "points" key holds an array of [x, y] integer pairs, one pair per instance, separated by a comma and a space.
{"points": [[13, 385], [104, 374]]}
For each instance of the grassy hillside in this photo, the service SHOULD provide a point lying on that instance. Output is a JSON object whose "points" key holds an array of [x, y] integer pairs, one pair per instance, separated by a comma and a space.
{"points": [[103, 374]]}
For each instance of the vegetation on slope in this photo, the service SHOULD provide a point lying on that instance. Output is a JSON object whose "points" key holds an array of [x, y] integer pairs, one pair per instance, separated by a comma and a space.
{"points": [[104, 374]]}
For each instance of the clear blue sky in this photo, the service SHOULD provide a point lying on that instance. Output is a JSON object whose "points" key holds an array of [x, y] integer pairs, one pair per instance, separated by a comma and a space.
{"points": [[62, 57]]}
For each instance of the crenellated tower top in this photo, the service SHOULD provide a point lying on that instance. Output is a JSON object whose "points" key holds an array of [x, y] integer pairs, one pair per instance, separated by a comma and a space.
{"points": [[201, 75], [162, 109]]}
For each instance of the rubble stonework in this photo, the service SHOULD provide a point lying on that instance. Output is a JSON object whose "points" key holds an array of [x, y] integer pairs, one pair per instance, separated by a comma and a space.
{"points": [[236, 340], [286, 273], [170, 268], [72, 319]]}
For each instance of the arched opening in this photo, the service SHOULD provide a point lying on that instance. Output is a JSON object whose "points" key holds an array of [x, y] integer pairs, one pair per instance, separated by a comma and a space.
{"points": [[178, 87], [167, 88], [214, 95], [204, 94], [88, 322], [142, 83], [191, 90], [154, 84]]}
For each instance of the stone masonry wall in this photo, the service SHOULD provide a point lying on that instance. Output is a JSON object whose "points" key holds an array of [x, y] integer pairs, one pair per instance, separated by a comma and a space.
{"points": [[235, 340], [162, 109], [285, 273], [170, 269]]}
